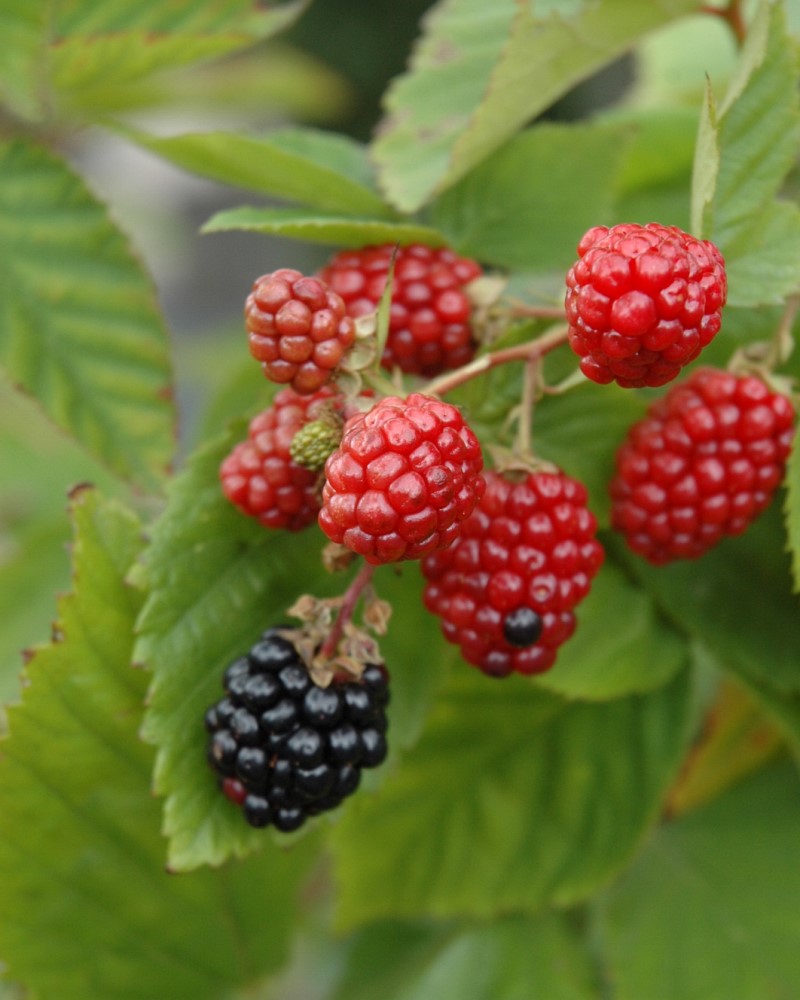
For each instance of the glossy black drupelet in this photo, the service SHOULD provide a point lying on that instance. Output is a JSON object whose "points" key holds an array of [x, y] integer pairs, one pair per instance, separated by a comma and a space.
{"points": [[285, 749]]}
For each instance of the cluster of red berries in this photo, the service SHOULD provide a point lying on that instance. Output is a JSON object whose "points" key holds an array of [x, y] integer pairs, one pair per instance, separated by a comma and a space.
{"points": [[506, 555]]}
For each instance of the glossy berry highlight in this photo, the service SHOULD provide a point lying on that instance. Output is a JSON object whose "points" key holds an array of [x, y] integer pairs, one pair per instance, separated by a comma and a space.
{"points": [[642, 302], [429, 322], [702, 465], [297, 328], [405, 476], [261, 477], [506, 589], [284, 749]]}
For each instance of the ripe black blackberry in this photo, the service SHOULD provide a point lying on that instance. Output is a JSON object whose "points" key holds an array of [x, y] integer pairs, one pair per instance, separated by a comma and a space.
{"points": [[284, 748]]}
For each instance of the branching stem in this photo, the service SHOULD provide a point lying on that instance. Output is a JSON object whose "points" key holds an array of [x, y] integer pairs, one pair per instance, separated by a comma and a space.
{"points": [[350, 599], [529, 351], [733, 16]]}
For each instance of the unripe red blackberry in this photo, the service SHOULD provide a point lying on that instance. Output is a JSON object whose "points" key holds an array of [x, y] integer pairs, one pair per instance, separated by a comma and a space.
{"points": [[297, 328], [642, 302], [402, 480], [429, 322], [284, 749], [506, 589], [261, 477], [703, 464]]}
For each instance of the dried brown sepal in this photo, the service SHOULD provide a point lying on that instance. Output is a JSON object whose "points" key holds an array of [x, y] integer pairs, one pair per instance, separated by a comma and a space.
{"points": [[337, 557]]}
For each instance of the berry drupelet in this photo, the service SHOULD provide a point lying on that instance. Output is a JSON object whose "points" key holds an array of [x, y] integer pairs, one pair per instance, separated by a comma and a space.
{"points": [[284, 749], [642, 302], [505, 591]]}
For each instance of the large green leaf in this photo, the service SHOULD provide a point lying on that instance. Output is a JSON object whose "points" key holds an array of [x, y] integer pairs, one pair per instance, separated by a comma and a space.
{"points": [[79, 327], [539, 958], [639, 653], [737, 599], [216, 580], [87, 911], [320, 169], [508, 212], [745, 149], [513, 798], [322, 227], [711, 908], [481, 71]]}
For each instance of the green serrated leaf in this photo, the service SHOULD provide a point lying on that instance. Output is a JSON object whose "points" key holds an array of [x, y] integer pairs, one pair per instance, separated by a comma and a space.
{"points": [[541, 957], [482, 71], [538, 799], [319, 169], [79, 326], [319, 227], [710, 908], [731, 598], [87, 911], [216, 579], [745, 149], [508, 212]]}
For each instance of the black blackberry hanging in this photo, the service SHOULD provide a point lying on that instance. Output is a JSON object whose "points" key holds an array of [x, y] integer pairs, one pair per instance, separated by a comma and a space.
{"points": [[283, 747]]}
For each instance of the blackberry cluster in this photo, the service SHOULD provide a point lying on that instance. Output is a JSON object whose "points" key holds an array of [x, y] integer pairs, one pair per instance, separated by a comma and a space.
{"points": [[284, 748]]}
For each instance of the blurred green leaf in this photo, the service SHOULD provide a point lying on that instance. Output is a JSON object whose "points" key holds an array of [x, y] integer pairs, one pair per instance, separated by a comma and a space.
{"points": [[215, 580], [79, 325], [22, 28], [512, 799], [87, 911], [737, 600], [508, 212], [480, 72], [319, 227], [745, 149], [319, 169], [540, 958], [792, 511], [710, 908]]}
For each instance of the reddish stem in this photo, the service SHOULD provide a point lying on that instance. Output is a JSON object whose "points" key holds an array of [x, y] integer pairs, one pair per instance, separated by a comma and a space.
{"points": [[733, 17], [528, 351], [350, 599]]}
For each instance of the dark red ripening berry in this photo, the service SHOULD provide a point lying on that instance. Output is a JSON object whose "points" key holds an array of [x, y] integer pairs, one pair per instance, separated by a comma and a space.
{"points": [[259, 475], [429, 322], [403, 479], [297, 328], [506, 589], [642, 302], [703, 464], [284, 749]]}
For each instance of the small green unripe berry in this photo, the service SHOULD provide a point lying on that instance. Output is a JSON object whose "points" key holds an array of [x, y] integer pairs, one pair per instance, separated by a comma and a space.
{"points": [[312, 444]]}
